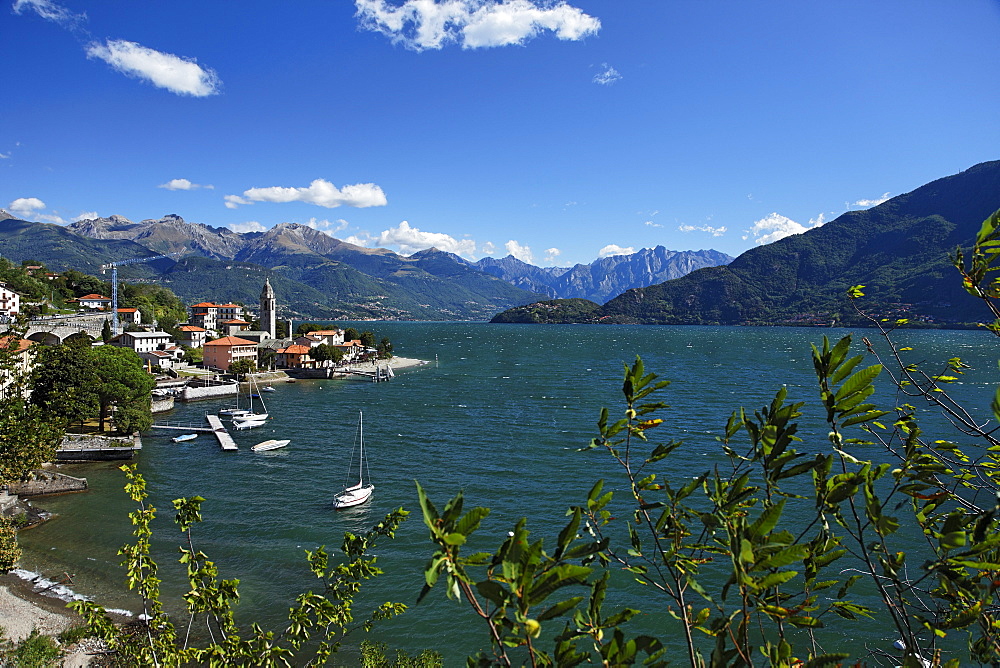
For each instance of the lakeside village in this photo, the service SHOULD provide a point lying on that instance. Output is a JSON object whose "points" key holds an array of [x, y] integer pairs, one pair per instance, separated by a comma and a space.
{"points": [[206, 358]]}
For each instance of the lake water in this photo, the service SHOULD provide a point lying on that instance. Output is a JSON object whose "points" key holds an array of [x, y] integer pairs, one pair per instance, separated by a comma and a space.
{"points": [[499, 416]]}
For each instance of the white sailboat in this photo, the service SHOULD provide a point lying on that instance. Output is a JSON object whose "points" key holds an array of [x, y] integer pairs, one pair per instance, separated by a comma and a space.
{"points": [[251, 419], [357, 493]]}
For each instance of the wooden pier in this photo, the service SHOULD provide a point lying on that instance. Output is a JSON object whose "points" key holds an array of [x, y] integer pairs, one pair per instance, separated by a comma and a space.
{"points": [[378, 375], [226, 441], [215, 426]]}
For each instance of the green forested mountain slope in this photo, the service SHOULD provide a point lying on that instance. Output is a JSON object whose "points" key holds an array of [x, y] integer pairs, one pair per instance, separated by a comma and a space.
{"points": [[306, 268], [899, 250]]}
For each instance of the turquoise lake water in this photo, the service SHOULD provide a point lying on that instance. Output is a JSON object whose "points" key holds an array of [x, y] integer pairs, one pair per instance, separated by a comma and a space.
{"points": [[499, 416]]}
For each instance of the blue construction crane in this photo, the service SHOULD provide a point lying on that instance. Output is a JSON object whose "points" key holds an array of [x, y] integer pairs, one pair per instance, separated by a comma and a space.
{"points": [[115, 326]]}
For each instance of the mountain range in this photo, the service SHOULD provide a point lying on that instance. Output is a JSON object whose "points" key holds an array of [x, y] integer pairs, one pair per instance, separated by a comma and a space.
{"points": [[605, 278], [318, 276], [900, 250]]}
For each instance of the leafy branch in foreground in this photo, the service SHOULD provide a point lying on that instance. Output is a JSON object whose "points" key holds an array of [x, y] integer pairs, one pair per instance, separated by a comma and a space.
{"points": [[321, 619], [774, 544]]}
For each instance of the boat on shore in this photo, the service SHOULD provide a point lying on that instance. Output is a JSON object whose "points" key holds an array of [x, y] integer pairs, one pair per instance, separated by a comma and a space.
{"points": [[270, 444]]}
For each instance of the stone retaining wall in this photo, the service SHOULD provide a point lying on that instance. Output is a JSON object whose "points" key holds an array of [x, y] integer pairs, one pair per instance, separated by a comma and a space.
{"points": [[48, 482], [211, 392], [162, 405], [93, 447]]}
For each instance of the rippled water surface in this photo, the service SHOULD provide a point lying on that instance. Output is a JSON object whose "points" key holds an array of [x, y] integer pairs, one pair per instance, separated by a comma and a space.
{"points": [[499, 415]]}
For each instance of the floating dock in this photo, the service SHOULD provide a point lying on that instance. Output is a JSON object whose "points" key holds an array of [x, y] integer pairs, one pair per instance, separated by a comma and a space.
{"points": [[226, 441]]}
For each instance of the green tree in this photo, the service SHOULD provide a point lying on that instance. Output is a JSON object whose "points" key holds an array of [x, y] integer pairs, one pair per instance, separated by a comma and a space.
{"points": [[367, 339], [106, 331], [62, 382], [123, 383], [241, 368], [193, 355], [28, 435], [306, 327], [351, 334], [320, 353], [266, 359], [385, 348]]}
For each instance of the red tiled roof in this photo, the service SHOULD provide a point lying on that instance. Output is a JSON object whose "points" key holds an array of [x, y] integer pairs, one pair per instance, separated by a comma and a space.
{"points": [[295, 349], [127, 310], [231, 341], [22, 344], [191, 328], [235, 322], [203, 304], [92, 296]]}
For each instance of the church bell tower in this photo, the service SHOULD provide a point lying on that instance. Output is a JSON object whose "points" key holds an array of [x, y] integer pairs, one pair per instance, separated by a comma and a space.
{"points": [[268, 309]]}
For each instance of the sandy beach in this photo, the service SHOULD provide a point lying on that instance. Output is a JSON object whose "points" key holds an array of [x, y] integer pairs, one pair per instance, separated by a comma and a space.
{"points": [[22, 609], [403, 362]]}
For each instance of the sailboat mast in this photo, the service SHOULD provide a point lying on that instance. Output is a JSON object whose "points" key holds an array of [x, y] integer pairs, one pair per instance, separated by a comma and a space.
{"points": [[361, 460]]}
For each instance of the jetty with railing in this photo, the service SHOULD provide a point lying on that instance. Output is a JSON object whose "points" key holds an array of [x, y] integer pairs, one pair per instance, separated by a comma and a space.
{"points": [[215, 426]]}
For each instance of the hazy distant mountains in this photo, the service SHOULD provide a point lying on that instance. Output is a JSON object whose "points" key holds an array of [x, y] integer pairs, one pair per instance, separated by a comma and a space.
{"points": [[605, 278], [318, 276], [899, 250]]}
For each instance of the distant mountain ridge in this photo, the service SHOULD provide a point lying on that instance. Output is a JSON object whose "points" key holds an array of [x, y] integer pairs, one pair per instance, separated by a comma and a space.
{"points": [[899, 250], [315, 275], [318, 259], [606, 277]]}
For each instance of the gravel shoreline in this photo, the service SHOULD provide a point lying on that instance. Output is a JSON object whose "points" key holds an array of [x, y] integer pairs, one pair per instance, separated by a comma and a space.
{"points": [[22, 609]]}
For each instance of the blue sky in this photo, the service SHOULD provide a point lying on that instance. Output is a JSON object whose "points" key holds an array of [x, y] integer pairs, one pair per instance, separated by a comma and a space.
{"points": [[556, 131]]}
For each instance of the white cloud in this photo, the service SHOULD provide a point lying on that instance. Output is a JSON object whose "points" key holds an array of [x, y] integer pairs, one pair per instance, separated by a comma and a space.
{"points": [[714, 231], [614, 249], [234, 201], [26, 206], [522, 253], [29, 208], [433, 24], [179, 75], [650, 223], [4, 156], [488, 248], [49, 11], [775, 226], [184, 184], [872, 202], [362, 241], [327, 225], [86, 215], [320, 192], [607, 76], [249, 226], [551, 254], [411, 239]]}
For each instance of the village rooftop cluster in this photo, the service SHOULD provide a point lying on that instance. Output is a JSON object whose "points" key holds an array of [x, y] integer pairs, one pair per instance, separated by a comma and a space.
{"points": [[220, 330]]}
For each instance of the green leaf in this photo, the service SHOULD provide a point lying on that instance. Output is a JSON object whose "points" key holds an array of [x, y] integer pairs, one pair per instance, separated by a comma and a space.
{"points": [[767, 520], [858, 381], [775, 579]]}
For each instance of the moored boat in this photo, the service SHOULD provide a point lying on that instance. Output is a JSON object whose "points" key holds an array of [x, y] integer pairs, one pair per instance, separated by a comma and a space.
{"points": [[270, 444], [358, 493]]}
